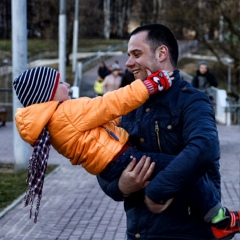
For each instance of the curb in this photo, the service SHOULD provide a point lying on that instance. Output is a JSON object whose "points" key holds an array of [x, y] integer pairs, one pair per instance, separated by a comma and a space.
{"points": [[21, 197]]}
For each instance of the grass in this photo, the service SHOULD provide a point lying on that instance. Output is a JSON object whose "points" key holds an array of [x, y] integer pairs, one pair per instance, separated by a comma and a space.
{"points": [[39, 48], [13, 183], [48, 49]]}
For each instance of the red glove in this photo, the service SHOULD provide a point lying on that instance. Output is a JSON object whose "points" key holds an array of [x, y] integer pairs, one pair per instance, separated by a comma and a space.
{"points": [[158, 82]]}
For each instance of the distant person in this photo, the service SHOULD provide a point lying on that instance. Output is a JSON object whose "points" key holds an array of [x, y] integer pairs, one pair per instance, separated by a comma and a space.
{"points": [[204, 79], [116, 64], [127, 77], [112, 81], [103, 70], [98, 87]]}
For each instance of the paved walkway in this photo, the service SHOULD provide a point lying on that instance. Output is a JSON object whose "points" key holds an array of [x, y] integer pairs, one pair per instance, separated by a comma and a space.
{"points": [[74, 207]]}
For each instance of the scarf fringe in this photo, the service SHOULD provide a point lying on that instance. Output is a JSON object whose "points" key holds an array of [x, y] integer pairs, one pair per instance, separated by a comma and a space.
{"points": [[36, 172]]}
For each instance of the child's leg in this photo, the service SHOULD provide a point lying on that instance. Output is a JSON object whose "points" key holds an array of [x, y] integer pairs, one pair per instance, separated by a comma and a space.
{"points": [[224, 223], [115, 168], [203, 195], [204, 198]]}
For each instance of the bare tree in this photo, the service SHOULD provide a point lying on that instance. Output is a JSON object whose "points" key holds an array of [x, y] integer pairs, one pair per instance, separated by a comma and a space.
{"points": [[5, 19], [121, 12], [106, 9], [209, 19]]}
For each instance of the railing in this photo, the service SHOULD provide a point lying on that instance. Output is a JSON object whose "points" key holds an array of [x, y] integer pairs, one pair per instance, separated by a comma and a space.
{"points": [[186, 47], [5, 105], [4, 100], [227, 109]]}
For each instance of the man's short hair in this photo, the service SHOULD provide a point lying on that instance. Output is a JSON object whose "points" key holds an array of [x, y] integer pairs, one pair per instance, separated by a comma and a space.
{"points": [[158, 35]]}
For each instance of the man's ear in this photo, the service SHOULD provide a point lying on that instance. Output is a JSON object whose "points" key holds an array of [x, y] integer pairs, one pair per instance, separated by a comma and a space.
{"points": [[161, 53]]}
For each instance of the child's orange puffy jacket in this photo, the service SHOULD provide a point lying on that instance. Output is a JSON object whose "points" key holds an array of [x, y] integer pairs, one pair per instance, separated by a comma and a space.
{"points": [[79, 128]]}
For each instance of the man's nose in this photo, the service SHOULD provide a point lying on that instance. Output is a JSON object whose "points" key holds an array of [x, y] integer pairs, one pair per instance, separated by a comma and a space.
{"points": [[130, 63]]}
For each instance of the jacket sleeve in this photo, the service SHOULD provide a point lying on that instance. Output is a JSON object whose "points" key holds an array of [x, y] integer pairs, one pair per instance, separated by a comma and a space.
{"points": [[195, 82], [88, 113], [201, 150], [212, 79], [110, 188]]}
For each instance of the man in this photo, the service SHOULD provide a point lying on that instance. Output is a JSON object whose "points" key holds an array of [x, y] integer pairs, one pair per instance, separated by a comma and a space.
{"points": [[204, 79], [178, 122]]}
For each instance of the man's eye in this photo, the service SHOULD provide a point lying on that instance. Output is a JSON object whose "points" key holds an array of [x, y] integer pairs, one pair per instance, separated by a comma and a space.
{"points": [[60, 82]]}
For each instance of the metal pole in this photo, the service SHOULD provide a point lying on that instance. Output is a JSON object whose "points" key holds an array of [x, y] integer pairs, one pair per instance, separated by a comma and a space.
{"points": [[19, 64], [220, 29], [75, 38], [62, 40]]}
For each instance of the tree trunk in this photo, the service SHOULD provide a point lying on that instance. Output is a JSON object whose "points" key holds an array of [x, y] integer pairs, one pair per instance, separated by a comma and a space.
{"points": [[106, 6], [122, 5]]}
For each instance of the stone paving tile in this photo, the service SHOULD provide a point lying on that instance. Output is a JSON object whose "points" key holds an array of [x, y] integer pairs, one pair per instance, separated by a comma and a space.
{"points": [[76, 210]]}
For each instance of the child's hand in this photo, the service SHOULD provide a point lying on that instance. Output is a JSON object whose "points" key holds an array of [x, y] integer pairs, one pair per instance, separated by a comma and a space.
{"points": [[158, 81]]}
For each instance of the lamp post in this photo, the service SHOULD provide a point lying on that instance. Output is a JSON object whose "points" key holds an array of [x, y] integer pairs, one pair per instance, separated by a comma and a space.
{"points": [[19, 64], [62, 40], [229, 62]]}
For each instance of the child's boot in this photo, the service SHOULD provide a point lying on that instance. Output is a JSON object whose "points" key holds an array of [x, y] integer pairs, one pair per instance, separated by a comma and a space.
{"points": [[227, 227]]}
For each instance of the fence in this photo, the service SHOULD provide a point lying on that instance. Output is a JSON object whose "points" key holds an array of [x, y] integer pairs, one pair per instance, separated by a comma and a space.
{"points": [[227, 109]]}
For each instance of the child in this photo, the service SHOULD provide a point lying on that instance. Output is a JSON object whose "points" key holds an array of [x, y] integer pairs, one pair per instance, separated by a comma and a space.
{"points": [[85, 130], [98, 87]]}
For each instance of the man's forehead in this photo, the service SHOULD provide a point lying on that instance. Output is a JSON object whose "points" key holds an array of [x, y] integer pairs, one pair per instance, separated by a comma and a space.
{"points": [[137, 42]]}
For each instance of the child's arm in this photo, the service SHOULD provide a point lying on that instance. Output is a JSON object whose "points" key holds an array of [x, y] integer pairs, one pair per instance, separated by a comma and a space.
{"points": [[116, 121], [96, 112]]}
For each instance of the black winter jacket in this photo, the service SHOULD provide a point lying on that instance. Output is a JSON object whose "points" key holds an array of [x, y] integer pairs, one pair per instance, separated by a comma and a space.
{"points": [[210, 80], [179, 122]]}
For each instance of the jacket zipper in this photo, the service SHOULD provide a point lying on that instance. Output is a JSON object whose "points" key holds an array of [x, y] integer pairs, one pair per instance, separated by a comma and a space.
{"points": [[158, 135], [112, 134]]}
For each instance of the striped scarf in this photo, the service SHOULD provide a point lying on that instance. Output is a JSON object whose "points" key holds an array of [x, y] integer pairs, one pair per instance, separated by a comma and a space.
{"points": [[36, 171]]}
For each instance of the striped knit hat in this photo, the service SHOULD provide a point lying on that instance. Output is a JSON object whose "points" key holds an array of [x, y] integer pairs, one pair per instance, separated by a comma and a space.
{"points": [[36, 85]]}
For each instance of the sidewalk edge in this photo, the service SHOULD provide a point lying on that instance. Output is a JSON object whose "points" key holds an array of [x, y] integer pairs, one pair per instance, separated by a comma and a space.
{"points": [[21, 197]]}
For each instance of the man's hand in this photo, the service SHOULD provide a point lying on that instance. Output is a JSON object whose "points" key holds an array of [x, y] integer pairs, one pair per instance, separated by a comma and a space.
{"points": [[157, 207], [135, 176]]}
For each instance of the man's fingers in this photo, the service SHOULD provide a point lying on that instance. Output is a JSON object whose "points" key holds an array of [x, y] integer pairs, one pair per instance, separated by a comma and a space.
{"points": [[146, 183], [134, 177], [170, 73], [140, 165], [145, 169], [131, 165], [148, 72], [149, 171], [156, 207]]}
